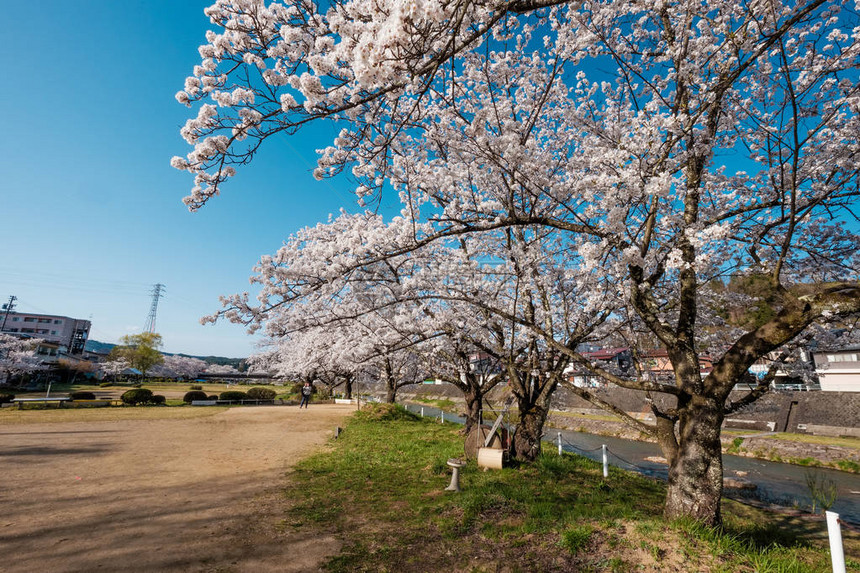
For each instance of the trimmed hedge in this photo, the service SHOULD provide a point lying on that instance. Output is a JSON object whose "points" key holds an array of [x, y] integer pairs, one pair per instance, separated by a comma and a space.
{"points": [[158, 399], [6, 398], [82, 396], [262, 394], [234, 395], [137, 396], [194, 395]]}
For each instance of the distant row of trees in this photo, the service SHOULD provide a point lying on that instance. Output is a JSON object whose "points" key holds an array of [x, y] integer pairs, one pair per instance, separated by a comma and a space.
{"points": [[138, 351], [141, 352]]}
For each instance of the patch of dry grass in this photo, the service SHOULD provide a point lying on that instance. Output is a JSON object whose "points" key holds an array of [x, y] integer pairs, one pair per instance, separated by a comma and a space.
{"points": [[845, 442]]}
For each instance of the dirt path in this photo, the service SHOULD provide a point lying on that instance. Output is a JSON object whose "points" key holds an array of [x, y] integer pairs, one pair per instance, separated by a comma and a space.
{"points": [[199, 494]]}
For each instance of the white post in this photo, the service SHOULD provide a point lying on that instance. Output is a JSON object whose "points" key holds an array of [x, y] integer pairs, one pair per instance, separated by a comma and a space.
{"points": [[442, 417], [559, 443], [422, 411], [837, 556], [605, 462]]}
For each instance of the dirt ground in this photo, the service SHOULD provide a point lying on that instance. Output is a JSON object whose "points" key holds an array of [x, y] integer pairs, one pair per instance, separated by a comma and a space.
{"points": [[200, 494]]}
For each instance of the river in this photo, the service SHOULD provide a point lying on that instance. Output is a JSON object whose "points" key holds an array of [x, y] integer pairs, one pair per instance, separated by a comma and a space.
{"points": [[777, 483]]}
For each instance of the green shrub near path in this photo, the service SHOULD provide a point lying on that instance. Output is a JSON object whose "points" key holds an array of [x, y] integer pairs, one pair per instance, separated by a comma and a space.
{"points": [[136, 396], [261, 394], [233, 395], [194, 395]]}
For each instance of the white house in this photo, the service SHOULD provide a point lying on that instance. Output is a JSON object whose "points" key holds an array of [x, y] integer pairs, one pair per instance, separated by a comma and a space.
{"points": [[838, 370]]}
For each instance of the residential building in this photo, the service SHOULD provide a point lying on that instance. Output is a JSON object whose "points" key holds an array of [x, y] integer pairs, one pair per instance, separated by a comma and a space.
{"points": [[838, 370], [615, 360], [657, 366], [64, 334]]}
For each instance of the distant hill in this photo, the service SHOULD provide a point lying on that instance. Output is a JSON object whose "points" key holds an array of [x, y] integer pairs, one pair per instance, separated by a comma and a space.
{"points": [[99, 347], [105, 348]]}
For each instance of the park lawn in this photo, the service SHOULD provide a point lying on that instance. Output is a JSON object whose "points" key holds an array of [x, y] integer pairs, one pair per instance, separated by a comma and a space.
{"points": [[12, 415], [380, 489]]}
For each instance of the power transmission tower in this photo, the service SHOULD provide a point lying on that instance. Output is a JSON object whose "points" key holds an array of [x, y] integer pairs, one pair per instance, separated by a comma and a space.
{"points": [[8, 307], [157, 293]]}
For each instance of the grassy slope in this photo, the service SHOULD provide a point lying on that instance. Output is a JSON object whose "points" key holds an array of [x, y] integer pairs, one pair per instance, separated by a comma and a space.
{"points": [[381, 489]]}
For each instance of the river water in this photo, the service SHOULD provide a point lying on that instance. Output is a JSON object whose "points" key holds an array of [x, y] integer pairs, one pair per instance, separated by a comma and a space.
{"points": [[777, 483]]}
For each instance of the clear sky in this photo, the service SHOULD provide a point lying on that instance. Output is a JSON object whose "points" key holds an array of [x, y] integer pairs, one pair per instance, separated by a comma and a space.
{"points": [[91, 212]]}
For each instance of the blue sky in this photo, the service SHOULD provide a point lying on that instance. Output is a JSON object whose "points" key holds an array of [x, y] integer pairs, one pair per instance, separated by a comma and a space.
{"points": [[91, 212]]}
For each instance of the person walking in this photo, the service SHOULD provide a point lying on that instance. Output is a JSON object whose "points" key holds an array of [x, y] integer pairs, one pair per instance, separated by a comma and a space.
{"points": [[307, 390]]}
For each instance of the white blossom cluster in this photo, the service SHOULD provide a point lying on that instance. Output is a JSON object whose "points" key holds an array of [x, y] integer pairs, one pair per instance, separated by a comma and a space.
{"points": [[18, 355]]}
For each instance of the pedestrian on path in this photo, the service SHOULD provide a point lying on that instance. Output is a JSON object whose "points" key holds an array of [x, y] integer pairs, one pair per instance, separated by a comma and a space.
{"points": [[307, 390]]}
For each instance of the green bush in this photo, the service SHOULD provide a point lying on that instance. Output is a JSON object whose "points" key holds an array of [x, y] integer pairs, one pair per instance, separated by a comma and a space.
{"points": [[384, 412], [82, 396], [106, 384], [5, 398], [234, 395], [196, 387], [136, 396], [194, 395], [261, 394], [158, 399], [212, 397]]}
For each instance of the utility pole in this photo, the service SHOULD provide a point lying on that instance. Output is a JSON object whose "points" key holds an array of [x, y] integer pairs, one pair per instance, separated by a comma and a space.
{"points": [[8, 307], [153, 309]]}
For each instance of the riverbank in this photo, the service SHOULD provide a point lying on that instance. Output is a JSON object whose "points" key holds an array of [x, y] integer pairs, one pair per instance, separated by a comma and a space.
{"points": [[752, 440], [798, 449]]}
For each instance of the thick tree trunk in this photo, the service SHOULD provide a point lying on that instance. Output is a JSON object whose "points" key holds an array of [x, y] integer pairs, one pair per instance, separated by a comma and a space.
{"points": [[347, 387], [391, 394], [474, 409], [390, 383], [527, 439], [696, 464]]}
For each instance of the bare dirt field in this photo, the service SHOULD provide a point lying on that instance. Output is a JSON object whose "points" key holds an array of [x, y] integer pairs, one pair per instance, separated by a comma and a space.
{"points": [[181, 492]]}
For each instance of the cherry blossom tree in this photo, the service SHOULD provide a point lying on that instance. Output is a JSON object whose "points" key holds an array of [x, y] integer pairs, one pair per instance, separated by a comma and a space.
{"points": [[664, 147], [176, 366], [115, 366], [319, 353], [18, 356], [220, 369]]}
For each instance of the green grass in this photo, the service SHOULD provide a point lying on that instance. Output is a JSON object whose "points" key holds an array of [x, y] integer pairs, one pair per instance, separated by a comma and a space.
{"points": [[380, 488], [443, 404], [735, 446]]}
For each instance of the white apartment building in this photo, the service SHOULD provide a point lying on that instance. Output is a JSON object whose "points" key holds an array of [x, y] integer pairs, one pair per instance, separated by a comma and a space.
{"points": [[68, 334]]}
